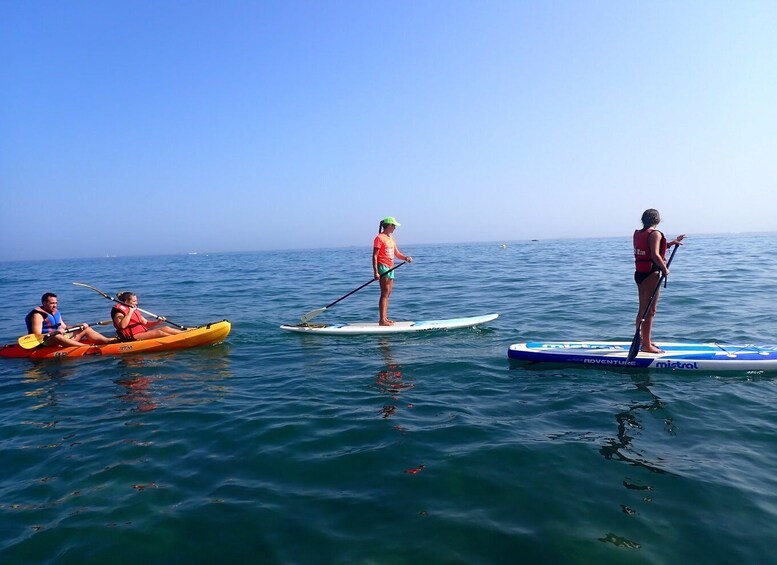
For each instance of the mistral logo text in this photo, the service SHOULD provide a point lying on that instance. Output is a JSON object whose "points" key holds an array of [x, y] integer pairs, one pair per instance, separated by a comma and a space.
{"points": [[676, 365]]}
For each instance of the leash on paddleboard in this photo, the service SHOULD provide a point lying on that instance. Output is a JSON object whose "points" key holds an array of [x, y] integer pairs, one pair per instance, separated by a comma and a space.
{"points": [[313, 313], [109, 297], [635, 343]]}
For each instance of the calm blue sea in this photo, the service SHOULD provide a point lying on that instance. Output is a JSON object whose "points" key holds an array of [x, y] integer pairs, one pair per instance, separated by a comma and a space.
{"points": [[280, 448]]}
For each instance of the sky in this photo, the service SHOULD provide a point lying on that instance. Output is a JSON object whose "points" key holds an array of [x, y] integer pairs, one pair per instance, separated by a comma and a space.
{"points": [[160, 127]]}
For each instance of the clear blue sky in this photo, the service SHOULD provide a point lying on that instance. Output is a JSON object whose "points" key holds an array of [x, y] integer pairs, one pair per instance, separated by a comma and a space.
{"points": [[145, 127]]}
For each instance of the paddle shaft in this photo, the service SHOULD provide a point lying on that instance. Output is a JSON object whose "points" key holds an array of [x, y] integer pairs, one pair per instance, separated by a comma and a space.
{"points": [[33, 340], [109, 297], [312, 314], [362, 286], [635, 343]]}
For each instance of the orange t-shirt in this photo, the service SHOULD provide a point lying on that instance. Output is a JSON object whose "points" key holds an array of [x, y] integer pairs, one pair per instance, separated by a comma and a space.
{"points": [[385, 245]]}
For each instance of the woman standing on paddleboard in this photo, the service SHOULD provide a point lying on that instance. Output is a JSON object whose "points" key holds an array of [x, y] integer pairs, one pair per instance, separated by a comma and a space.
{"points": [[383, 252], [650, 247]]}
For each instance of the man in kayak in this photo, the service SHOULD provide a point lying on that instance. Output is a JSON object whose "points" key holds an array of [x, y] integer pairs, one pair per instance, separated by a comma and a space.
{"points": [[46, 320], [131, 325]]}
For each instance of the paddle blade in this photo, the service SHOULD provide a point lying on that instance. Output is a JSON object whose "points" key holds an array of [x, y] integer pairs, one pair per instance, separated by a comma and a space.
{"points": [[312, 314], [30, 341], [97, 290], [634, 349]]}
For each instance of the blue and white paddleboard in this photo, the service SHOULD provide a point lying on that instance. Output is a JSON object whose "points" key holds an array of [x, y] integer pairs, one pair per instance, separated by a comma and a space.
{"points": [[676, 356], [372, 328]]}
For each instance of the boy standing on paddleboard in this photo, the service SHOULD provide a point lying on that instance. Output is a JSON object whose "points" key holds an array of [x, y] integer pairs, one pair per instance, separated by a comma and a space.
{"points": [[384, 249]]}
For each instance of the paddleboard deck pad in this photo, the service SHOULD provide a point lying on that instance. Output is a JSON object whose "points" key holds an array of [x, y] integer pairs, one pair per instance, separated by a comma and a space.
{"points": [[676, 356], [373, 328]]}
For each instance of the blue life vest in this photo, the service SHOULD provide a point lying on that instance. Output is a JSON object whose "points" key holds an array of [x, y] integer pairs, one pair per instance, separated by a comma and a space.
{"points": [[50, 322]]}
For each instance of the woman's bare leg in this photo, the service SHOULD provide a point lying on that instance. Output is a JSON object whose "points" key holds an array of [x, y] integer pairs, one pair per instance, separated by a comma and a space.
{"points": [[645, 292], [386, 284]]}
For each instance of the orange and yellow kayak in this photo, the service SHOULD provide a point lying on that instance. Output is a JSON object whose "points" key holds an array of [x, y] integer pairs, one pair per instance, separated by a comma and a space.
{"points": [[194, 337]]}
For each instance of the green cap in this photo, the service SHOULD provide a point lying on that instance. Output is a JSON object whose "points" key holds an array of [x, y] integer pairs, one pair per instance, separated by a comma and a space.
{"points": [[391, 220]]}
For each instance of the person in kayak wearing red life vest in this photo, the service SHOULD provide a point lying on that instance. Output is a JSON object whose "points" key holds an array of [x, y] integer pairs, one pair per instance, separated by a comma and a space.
{"points": [[650, 247], [46, 319], [131, 325], [384, 249]]}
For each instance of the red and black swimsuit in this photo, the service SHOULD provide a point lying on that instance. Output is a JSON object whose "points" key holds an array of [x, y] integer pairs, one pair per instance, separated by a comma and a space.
{"points": [[643, 261]]}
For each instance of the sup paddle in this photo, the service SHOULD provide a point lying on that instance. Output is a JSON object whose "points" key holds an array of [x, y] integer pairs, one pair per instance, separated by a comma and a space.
{"points": [[313, 313], [109, 297], [635, 343], [30, 341]]}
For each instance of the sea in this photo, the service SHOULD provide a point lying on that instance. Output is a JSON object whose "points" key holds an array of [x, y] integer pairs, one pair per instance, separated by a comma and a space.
{"points": [[274, 447]]}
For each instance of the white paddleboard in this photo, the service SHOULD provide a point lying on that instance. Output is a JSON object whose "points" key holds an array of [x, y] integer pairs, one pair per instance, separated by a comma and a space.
{"points": [[373, 328], [675, 356]]}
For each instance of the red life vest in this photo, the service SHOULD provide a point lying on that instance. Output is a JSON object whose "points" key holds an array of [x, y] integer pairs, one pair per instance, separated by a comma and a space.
{"points": [[643, 260], [135, 326]]}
